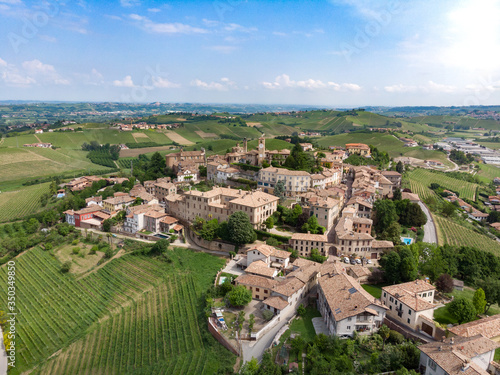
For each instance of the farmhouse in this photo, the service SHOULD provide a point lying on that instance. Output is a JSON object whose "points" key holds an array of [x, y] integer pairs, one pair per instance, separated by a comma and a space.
{"points": [[488, 327], [459, 355], [358, 148], [346, 307]]}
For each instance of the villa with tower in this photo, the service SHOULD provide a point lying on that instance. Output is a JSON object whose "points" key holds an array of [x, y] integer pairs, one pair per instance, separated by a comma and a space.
{"points": [[241, 154]]}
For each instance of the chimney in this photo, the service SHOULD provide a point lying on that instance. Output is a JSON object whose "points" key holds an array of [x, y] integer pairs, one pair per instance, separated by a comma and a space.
{"points": [[465, 365], [442, 338], [452, 341], [440, 348]]}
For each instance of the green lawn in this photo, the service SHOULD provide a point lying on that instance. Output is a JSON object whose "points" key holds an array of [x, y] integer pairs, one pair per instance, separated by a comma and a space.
{"points": [[304, 324], [497, 355], [374, 289]]}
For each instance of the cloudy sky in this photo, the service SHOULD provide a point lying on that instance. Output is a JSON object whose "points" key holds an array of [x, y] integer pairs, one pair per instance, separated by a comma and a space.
{"points": [[327, 53]]}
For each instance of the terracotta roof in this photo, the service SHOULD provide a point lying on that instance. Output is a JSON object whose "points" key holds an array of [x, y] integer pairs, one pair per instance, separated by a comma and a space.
{"points": [[284, 171], [357, 145], [488, 327], [346, 297], [91, 208], [169, 220], [452, 357], [358, 271], [355, 236], [178, 227], [276, 302], [359, 201], [263, 248], [252, 280], [407, 293], [155, 214], [261, 268], [289, 286], [102, 215], [391, 173], [301, 262], [95, 199], [283, 254], [255, 199], [119, 200], [310, 237], [382, 244], [410, 196]]}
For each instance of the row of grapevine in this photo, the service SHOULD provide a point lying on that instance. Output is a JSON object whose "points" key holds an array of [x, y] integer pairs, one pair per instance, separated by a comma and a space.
{"points": [[464, 188], [21, 203], [125, 163], [158, 330], [455, 234]]}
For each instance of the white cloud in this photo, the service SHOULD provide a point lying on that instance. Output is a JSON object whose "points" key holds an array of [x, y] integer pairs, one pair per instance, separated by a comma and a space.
{"points": [[165, 28], [12, 2], [154, 10], [45, 73], [125, 82], [236, 27], [222, 49], [160, 82], [3, 63], [279, 33], [284, 81], [47, 38], [130, 3], [429, 87], [224, 84], [371, 9]]}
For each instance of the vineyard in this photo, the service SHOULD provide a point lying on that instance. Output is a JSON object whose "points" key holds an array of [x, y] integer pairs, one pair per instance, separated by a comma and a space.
{"points": [[455, 234], [20, 203], [134, 314], [424, 177], [125, 162], [101, 158]]}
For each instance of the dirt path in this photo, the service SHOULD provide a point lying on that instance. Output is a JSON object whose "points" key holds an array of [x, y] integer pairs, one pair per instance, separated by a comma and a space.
{"points": [[178, 138], [39, 140]]}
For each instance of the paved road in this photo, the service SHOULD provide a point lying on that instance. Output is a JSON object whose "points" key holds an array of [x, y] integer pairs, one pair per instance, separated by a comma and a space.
{"points": [[430, 234], [256, 348]]}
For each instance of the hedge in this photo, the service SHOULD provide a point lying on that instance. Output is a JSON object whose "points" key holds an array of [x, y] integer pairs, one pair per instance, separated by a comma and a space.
{"points": [[262, 234]]}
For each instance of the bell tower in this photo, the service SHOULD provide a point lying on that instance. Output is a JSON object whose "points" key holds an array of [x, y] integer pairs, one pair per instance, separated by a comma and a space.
{"points": [[261, 148]]}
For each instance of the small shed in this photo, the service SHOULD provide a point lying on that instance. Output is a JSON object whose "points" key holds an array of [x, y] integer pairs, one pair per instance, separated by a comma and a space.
{"points": [[458, 284]]}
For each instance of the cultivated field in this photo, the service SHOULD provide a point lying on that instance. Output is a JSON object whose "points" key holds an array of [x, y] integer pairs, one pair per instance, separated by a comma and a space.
{"points": [[455, 234], [20, 203], [134, 315], [426, 177], [178, 138]]}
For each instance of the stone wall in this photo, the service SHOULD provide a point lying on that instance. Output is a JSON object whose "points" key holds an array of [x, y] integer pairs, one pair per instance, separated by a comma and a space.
{"points": [[210, 245], [220, 338]]}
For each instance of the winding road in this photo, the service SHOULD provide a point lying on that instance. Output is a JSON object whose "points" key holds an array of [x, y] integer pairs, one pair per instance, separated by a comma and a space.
{"points": [[430, 234]]}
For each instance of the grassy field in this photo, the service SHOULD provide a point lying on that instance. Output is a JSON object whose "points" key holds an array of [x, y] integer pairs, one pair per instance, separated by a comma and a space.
{"points": [[134, 315], [455, 234], [374, 289], [304, 326], [488, 172], [20, 203], [426, 177], [443, 316]]}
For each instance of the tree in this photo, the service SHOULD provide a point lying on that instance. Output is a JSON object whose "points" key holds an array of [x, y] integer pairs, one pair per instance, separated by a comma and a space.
{"points": [[313, 226], [444, 283], [250, 368], [279, 190], [400, 168], [491, 288], [267, 315], [409, 265], [479, 301], [384, 332], [239, 296], [448, 209], [251, 323], [385, 214], [106, 225], [462, 310], [301, 310], [391, 264], [66, 266], [241, 320], [271, 241], [397, 194], [210, 230], [157, 165], [239, 228], [109, 253], [269, 222], [392, 233], [298, 344], [317, 257]]}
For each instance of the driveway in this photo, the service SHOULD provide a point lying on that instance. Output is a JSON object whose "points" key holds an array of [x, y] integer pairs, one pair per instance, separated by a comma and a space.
{"points": [[430, 235], [256, 349], [232, 268]]}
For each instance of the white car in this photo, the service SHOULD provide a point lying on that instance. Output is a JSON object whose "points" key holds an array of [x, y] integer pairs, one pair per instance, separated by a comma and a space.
{"points": [[358, 261], [368, 261], [346, 260]]}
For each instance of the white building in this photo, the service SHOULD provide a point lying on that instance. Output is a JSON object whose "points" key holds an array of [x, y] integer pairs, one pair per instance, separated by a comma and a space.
{"points": [[459, 356], [347, 308]]}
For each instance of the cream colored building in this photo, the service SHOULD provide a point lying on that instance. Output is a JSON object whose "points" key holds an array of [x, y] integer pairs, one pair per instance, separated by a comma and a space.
{"points": [[117, 203], [295, 182], [219, 203], [411, 303], [303, 243], [326, 211]]}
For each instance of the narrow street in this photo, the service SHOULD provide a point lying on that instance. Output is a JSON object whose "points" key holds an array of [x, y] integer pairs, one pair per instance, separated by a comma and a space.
{"points": [[430, 235]]}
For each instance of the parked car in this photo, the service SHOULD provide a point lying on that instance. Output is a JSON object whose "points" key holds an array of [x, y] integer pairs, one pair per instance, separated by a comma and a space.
{"points": [[353, 261], [368, 261], [358, 261], [346, 260]]}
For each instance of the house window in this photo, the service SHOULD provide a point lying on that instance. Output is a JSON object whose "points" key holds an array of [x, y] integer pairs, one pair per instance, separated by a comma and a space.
{"points": [[349, 319], [408, 320], [432, 364], [257, 289], [409, 311], [348, 328], [257, 296]]}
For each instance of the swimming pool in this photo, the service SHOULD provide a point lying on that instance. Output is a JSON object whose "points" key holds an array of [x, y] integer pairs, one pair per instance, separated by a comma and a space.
{"points": [[407, 240], [162, 236], [222, 279]]}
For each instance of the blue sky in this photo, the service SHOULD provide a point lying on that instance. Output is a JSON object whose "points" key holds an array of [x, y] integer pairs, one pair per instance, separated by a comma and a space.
{"points": [[325, 53]]}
